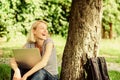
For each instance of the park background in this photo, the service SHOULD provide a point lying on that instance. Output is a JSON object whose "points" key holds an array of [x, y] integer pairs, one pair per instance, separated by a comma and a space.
{"points": [[17, 16]]}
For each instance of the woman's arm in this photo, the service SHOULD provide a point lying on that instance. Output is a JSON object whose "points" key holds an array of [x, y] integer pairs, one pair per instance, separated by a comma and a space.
{"points": [[42, 63], [14, 66]]}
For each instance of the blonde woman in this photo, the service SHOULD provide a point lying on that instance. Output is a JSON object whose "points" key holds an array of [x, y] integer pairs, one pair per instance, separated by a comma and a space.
{"points": [[46, 69]]}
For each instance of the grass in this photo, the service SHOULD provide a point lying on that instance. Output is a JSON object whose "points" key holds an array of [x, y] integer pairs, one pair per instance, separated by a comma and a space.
{"points": [[4, 72], [110, 49], [59, 43], [114, 75]]}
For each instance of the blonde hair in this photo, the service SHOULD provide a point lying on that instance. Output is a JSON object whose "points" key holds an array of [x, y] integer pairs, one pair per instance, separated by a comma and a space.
{"points": [[31, 37]]}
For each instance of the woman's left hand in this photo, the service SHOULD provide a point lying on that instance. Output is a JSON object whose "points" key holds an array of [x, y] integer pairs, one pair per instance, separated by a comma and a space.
{"points": [[24, 77]]}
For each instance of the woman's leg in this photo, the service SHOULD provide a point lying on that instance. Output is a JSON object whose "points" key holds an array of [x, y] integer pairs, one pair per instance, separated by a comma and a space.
{"points": [[39, 75], [43, 75]]}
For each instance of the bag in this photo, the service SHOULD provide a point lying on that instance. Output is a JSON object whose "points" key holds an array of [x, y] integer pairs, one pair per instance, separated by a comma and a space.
{"points": [[96, 69], [103, 68]]}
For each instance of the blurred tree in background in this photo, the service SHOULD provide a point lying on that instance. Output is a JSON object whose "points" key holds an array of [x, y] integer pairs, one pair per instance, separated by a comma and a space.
{"points": [[111, 18], [16, 16]]}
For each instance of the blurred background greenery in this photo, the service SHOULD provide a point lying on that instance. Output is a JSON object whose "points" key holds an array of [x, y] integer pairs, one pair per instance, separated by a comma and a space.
{"points": [[17, 16]]}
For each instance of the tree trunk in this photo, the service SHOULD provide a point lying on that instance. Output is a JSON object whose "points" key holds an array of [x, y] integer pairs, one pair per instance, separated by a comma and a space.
{"points": [[83, 38], [103, 32], [111, 31]]}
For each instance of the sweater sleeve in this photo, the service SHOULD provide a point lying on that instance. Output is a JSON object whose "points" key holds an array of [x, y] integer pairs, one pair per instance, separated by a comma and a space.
{"points": [[29, 45]]}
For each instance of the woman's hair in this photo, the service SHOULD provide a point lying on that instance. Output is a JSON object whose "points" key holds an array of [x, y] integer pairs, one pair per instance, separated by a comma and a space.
{"points": [[31, 37]]}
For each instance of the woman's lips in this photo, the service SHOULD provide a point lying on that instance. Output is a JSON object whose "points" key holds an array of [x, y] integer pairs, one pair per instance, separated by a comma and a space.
{"points": [[43, 34]]}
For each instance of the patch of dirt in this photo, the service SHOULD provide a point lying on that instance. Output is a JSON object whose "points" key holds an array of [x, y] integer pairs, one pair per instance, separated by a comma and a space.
{"points": [[113, 66], [108, 56]]}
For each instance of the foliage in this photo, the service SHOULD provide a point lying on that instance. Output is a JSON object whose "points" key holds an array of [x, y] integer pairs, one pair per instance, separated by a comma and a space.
{"points": [[18, 15], [57, 15], [3, 30], [111, 11]]}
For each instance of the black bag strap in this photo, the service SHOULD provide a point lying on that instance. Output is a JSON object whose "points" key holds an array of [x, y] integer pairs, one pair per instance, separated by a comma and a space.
{"points": [[96, 69], [92, 69], [103, 68]]}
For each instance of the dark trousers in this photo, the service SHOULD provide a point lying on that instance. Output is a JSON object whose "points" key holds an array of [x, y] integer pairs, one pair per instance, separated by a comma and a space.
{"points": [[42, 74]]}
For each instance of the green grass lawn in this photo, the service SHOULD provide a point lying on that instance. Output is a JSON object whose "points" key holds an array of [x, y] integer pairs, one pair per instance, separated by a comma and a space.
{"points": [[4, 72], [114, 75], [110, 49]]}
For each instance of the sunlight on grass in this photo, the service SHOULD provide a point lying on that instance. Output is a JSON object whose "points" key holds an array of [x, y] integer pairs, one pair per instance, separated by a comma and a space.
{"points": [[59, 42], [110, 49], [114, 75]]}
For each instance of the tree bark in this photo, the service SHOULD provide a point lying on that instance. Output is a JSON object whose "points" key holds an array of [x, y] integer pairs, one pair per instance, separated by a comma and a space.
{"points": [[111, 31], [83, 38]]}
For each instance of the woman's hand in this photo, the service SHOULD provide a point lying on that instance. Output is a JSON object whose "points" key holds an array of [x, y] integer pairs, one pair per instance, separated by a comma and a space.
{"points": [[16, 78], [24, 77], [17, 75]]}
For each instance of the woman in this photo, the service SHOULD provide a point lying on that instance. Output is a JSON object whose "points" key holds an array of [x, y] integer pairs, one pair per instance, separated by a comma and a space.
{"points": [[46, 69]]}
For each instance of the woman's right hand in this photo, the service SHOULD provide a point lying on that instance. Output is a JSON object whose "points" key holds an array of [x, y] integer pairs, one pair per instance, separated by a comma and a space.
{"points": [[17, 74]]}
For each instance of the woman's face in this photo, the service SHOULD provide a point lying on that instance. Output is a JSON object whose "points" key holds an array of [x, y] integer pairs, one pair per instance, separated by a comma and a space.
{"points": [[41, 31]]}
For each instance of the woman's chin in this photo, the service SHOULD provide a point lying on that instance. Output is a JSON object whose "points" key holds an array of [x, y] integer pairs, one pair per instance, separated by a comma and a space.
{"points": [[44, 38]]}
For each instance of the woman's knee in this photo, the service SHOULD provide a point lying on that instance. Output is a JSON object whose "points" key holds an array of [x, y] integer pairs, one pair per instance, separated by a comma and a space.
{"points": [[39, 75]]}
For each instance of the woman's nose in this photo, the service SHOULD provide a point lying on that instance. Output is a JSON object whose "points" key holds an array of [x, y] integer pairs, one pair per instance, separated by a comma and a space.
{"points": [[46, 31]]}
